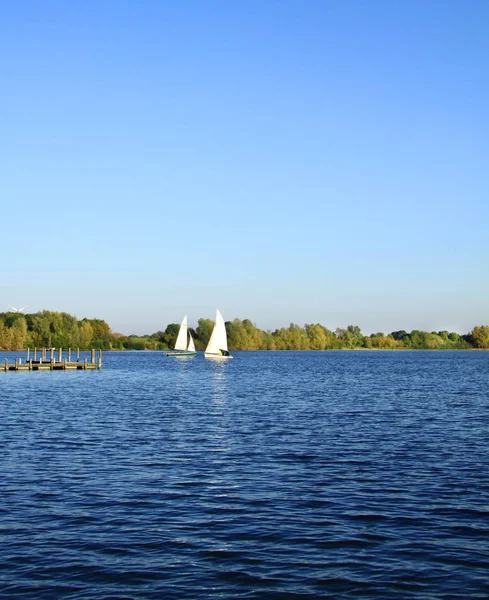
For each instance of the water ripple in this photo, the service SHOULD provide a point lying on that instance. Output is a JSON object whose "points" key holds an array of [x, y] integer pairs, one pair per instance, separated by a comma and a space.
{"points": [[273, 476]]}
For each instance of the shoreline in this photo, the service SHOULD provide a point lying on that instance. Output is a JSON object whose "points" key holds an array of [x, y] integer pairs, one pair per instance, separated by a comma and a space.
{"points": [[292, 350]]}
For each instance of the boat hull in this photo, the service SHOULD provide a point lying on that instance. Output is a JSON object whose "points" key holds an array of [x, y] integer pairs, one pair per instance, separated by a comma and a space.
{"points": [[218, 356], [175, 354]]}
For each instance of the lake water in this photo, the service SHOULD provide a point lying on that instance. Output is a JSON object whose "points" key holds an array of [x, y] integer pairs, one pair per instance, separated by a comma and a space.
{"points": [[274, 475]]}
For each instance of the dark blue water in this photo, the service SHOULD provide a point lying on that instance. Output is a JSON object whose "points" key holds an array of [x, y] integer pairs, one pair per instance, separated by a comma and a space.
{"points": [[274, 475]]}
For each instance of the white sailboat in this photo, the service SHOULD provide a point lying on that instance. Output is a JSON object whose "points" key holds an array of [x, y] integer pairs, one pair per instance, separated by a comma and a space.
{"points": [[218, 343], [182, 348]]}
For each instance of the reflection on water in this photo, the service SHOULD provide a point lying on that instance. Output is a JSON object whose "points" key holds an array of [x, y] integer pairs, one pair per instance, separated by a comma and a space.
{"points": [[219, 372]]}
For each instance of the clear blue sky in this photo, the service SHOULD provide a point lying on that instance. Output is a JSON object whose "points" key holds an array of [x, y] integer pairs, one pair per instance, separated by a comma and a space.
{"points": [[305, 161]]}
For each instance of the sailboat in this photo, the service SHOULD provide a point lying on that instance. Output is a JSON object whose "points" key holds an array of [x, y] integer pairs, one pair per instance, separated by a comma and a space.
{"points": [[218, 343], [182, 347]]}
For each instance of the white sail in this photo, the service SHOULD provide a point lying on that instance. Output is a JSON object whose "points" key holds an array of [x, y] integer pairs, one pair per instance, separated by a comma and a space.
{"points": [[181, 343], [219, 340], [191, 345]]}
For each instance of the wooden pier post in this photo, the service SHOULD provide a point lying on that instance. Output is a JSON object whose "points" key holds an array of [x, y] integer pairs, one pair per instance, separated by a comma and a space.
{"points": [[35, 361], [78, 355]]}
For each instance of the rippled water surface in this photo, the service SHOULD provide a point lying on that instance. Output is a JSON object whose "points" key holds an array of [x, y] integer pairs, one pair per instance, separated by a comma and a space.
{"points": [[274, 475]]}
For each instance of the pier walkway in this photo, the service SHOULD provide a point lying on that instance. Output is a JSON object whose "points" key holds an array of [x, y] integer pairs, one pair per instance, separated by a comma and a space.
{"points": [[52, 359]]}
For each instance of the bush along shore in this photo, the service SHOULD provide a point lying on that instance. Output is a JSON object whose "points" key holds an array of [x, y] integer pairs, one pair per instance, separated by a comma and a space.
{"points": [[59, 329]]}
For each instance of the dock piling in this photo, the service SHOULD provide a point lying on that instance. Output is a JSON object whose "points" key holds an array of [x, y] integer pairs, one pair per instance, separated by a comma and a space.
{"points": [[55, 362]]}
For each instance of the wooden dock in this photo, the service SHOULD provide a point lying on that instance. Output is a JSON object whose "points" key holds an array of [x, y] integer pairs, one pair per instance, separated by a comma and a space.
{"points": [[52, 359]]}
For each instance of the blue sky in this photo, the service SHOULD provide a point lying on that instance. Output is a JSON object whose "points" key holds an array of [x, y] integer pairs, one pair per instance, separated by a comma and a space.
{"points": [[283, 161]]}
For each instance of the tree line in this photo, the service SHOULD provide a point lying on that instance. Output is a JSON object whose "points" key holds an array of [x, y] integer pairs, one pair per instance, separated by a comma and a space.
{"points": [[61, 330]]}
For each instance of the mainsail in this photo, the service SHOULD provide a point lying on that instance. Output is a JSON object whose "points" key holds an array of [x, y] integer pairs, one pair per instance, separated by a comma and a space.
{"points": [[181, 343], [218, 340]]}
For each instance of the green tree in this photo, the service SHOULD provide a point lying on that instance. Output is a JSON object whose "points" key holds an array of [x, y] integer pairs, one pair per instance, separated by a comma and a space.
{"points": [[351, 337], [19, 334], [41, 329], [479, 336], [101, 334], [268, 341], [85, 334], [171, 334], [5, 336], [246, 335], [292, 338], [317, 336], [204, 330]]}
